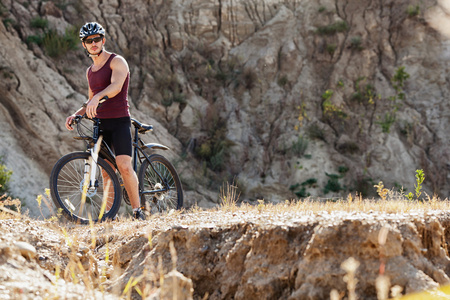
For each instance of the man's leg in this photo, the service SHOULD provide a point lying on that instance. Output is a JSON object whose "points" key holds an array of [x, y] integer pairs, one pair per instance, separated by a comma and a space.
{"points": [[130, 179], [108, 188]]}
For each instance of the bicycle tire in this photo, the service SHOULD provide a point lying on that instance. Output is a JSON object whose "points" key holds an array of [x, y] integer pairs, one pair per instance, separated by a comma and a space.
{"points": [[66, 187], [149, 180]]}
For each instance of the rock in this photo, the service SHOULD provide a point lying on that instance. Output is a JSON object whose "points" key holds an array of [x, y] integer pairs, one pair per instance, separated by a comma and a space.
{"points": [[5, 250], [26, 250], [176, 286]]}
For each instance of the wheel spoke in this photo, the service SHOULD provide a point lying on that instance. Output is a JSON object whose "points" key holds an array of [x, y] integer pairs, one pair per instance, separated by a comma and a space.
{"points": [[67, 182]]}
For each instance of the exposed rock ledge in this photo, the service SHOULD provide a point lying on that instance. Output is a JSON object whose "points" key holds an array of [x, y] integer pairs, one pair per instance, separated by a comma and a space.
{"points": [[237, 254]]}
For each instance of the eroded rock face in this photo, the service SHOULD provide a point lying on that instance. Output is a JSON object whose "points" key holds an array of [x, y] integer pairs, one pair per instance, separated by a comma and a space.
{"points": [[236, 83], [240, 254]]}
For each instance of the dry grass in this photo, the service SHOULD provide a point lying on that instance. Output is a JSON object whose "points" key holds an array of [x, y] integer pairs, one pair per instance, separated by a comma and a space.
{"points": [[396, 204]]}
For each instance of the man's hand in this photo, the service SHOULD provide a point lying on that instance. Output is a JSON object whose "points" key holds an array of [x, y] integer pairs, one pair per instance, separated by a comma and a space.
{"points": [[69, 121], [91, 108]]}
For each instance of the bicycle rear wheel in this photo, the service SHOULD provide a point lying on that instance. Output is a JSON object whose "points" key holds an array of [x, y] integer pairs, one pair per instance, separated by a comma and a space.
{"points": [[155, 197], [66, 187]]}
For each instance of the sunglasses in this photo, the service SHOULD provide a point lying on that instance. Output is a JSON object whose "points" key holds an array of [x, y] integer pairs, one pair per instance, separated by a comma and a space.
{"points": [[95, 40]]}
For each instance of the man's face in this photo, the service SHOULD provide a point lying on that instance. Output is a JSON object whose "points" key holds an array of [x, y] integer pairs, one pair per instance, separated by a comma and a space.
{"points": [[93, 44]]}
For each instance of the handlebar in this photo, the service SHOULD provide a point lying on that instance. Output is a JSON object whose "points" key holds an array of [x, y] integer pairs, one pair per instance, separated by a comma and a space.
{"points": [[77, 118]]}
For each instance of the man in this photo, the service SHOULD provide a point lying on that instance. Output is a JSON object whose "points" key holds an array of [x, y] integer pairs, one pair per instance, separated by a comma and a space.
{"points": [[108, 77]]}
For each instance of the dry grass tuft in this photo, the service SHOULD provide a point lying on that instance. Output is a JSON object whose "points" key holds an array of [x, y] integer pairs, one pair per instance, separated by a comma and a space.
{"points": [[229, 196]]}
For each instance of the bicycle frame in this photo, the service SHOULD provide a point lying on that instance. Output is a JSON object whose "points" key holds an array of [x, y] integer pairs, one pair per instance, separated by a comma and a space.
{"points": [[98, 148]]}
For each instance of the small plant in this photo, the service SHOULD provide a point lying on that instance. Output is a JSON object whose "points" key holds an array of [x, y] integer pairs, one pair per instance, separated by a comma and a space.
{"points": [[381, 190], [356, 43], [229, 196], [299, 147], [8, 21], [333, 184], [54, 44], [302, 115], [331, 48], [260, 205], [413, 11], [386, 123], [322, 9], [282, 81], [39, 23], [334, 28], [327, 95], [364, 94], [34, 39], [300, 189], [420, 177], [5, 176], [315, 132], [328, 108], [398, 82]]}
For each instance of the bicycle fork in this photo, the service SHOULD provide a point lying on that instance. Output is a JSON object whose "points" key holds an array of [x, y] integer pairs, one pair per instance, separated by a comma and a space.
{"points": [[90, 171]]}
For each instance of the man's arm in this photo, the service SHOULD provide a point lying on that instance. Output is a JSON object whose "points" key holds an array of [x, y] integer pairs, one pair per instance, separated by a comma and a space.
{"points": [[119, 74]]}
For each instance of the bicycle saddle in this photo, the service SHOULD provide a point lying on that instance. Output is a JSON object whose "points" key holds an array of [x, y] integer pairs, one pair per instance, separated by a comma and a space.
{"points": [[142, 128]]}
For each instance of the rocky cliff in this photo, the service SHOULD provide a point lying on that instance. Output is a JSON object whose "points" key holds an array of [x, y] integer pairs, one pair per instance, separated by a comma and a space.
{"points": [[288, 98], [283, 252]]}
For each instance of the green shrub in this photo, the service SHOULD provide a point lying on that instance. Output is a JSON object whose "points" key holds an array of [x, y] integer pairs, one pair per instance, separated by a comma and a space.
{"points": [[300, 189], [56, 45], [413, 11], [327, 95], [386, 123], [7, 22], [331, 48], [349, 147], [398, 81], [333, 184], [39, 22], [171, 89], [34, 39], [5, 176], [282, 81], [315, 132], [214, 150], [334, 28], [329, 109], [356, 43], [299, 147]]}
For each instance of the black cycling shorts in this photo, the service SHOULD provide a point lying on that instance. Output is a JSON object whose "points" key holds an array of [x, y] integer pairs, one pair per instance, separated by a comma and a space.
{"points": [[117, 134]]}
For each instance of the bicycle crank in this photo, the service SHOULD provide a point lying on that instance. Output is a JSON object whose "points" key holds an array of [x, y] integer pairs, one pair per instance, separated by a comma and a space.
{"points": [[158, 196]]}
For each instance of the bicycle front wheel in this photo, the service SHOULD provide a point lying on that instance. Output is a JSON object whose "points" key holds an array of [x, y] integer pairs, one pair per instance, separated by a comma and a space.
{"points": [[67, 183], [159, 193]]}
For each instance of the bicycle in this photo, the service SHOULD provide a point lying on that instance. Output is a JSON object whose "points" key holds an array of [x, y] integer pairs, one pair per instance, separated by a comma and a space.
{"points": [[85, 187]]}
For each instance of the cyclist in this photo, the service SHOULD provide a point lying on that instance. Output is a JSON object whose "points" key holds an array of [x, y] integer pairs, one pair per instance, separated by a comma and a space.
{"points": [[108, 77]]}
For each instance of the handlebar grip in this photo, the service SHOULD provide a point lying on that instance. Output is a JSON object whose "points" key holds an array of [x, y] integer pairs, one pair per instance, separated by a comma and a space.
{"points": [[76, 120]]}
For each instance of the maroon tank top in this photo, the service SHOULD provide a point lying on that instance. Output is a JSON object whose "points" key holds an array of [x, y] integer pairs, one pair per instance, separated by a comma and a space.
{"points": [[117, 106]]}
